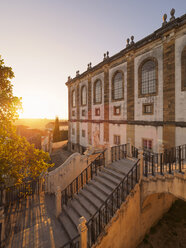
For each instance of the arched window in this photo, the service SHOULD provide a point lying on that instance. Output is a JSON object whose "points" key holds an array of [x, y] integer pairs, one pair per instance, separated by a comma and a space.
{"points": [[183, 69], [117, 86], [73, 98], [97, 92], [148, 77], [83, 95]]}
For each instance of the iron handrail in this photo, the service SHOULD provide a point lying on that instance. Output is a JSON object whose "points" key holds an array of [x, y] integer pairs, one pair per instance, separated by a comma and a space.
{"points": [[104, 207], [83, 178]]}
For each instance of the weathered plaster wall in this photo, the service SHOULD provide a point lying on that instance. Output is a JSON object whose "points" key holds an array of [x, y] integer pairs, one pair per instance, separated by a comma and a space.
{"points": [[173, 184], [83, 140], [132, 221], [97, 127], [117, 129], [66, 173], [157, 53], [180, 136], [180, 101], [149, 132], [73, 136]]}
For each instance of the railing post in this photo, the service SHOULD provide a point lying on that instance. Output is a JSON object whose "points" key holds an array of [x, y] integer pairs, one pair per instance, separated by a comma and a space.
{"points": [[108, 156], [58, 201], [140, 156], [179, 158], [83, 232], [2, 223], [161, 152]]}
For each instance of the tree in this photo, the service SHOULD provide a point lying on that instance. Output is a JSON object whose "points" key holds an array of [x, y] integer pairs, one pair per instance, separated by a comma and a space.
{"points": [[56, 132], [19, 160]]}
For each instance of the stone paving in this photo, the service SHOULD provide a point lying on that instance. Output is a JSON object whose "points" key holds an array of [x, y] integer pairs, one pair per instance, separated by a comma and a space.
{"points": [[31, 226]]}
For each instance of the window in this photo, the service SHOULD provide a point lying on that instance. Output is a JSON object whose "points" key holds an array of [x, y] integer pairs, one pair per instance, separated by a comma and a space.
{"points": [[148, 108], [117, 110], [148, 78], [117, 86], [147, 144], [73, 98], [97, 92], [83, 112], [83, 95], [73, 131], [73, 113], [183, 70], [83, 133], [116, 140], [97, 112]]}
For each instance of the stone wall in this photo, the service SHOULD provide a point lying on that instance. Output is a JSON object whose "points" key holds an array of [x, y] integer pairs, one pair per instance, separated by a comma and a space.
{"points": [[66, 173]]}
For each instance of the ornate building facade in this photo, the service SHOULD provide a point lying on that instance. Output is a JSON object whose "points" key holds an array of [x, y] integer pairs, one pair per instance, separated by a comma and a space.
{"points": [[137, 96]]}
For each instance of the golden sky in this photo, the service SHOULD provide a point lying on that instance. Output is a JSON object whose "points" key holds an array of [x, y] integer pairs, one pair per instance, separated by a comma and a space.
{"points": [[45, 41]]}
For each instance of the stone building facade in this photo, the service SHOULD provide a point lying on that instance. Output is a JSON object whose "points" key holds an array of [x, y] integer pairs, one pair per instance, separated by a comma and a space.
{"points": [[137, 96]]}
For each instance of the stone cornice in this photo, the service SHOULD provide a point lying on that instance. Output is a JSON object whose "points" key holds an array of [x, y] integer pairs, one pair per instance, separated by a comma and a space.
{"points": [[131, 48]]}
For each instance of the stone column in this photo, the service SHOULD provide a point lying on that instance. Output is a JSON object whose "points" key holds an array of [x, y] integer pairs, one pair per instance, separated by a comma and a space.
{"points": [[83, 232], [140, 156], [58, 201]]}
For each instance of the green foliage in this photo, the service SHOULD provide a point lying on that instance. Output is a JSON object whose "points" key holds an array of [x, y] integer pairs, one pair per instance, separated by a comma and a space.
{"points": [[18, 158], [56, 132], [64, 135]]}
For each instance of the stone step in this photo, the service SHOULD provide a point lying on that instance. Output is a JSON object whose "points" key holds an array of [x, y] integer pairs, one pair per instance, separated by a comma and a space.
{"points": [[72, 214], [109, 177], [86, 204], [96, 192], [101, 187], [105, 182], [116, 169], [80, 209], [113, 173], [91, 198], [68, 225]]}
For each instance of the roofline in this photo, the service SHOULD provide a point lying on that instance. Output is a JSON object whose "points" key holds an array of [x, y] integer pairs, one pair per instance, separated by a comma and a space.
{"points": [[153, 36]]}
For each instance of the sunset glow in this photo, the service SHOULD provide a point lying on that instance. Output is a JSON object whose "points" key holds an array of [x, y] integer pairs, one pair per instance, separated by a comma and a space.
{"points": [[46, 41]]}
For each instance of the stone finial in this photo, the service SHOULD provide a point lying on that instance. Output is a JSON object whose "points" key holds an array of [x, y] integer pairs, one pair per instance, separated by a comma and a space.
{"points": [[90, 65], [132, 40], [172, 12], [128, 41], [104, 56], [164, 20], [83, 232], [69, 78], [77, 73], [107, 54]]}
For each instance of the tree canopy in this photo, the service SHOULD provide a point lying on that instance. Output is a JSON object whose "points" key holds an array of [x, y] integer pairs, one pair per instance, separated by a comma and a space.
{"points": [[19, 160], [56, 132]]}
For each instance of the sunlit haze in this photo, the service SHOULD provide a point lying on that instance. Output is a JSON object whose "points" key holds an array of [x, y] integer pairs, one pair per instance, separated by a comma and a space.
{"points": [[45, 41]]}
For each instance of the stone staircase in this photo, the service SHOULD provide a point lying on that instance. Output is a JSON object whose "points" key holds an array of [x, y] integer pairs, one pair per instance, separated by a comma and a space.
{"points": [[89, 199]]}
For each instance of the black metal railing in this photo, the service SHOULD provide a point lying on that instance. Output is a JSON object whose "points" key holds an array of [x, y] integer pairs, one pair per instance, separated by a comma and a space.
{"points": [[104, 214], [86, 175], [119, 152], [173, 159], [134, 152], [16, 192]]}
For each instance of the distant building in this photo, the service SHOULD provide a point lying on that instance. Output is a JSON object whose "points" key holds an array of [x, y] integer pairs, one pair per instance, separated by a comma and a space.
{"points": [[137, 96], [63, 125]]}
